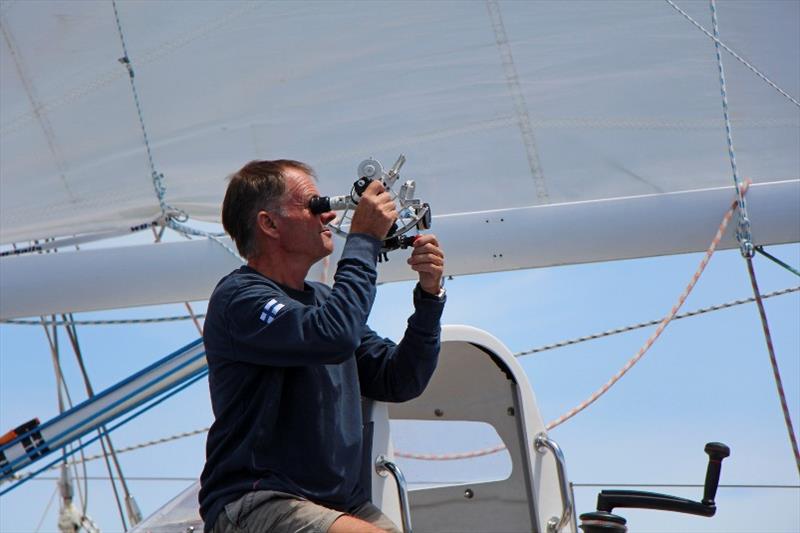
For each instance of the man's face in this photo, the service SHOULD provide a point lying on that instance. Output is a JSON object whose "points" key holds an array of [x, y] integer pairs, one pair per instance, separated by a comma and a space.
{"points": [[302, 232]]}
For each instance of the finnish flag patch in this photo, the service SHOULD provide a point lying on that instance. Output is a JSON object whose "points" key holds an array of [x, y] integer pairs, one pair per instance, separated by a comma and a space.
{"points": [[270, 312]]}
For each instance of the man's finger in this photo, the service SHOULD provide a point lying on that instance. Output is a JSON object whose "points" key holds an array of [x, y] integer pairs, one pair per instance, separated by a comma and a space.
{"points": [[419, 259], [429, 248], [426, 238], [429, 268]]}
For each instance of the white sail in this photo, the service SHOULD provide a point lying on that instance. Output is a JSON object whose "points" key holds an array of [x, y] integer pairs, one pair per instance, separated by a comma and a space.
{"points": [[596, 126], [499, 105]]}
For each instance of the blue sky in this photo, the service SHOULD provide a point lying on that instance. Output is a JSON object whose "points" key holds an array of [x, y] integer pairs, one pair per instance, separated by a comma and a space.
{"points": [[707, 378]]}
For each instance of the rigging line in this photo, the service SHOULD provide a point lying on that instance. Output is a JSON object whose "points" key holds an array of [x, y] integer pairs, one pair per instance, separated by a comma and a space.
{"points": [[194, 318], [108, 465], [743, 235], [450, 456], [131, 478], [46, 509], [739, 58], [171, 216], [167, 211], [774, 362], [75, 241], [690, 485], [616, 331], [106, 408], [760, 249], [105, 438], [61, 382], [518, 97], [138, 413], [18, 322], [667, 319], [149, 443]]}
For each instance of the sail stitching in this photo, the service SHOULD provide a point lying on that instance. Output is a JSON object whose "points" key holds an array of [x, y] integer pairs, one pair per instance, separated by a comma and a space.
{"points": [[520, 106], [37, 109]]}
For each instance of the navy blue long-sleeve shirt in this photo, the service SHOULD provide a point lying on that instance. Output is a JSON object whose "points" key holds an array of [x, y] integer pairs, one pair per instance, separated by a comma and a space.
{"points": [[287, 370]]}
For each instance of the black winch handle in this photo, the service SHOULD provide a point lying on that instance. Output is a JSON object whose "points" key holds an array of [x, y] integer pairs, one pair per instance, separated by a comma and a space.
{"points": [[716, 453]]}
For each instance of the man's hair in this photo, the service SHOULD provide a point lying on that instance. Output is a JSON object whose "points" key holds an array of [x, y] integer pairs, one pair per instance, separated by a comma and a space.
{"points": [[257, 186]]}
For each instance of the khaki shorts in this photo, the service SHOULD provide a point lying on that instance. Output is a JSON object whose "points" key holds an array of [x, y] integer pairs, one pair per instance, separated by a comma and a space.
{"points": [[269, 511]]}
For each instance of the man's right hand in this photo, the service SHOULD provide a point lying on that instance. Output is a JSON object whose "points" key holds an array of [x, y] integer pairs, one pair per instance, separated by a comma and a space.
{"points": [[375, 212]]}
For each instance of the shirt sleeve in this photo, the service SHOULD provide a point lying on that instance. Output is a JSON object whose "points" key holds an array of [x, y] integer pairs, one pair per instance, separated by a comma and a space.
{"points": [[270, 328], [392, 372]]}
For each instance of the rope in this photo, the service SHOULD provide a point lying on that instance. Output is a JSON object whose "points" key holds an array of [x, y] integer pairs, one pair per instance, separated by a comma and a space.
{"points": [[47, 508], [194, 318], [112, 428], [155, 320], [75, 241], [633, 327], [739, 58], [774, 362], [691, 485], [746, 246], [743, 236], [450, 456], [674, 311], [134, 447], [105, 438], [167, 211], [760, 249], [170, 216]]}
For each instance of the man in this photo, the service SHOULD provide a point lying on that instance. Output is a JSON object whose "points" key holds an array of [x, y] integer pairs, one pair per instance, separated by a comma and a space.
{"points": [[289, 360]]}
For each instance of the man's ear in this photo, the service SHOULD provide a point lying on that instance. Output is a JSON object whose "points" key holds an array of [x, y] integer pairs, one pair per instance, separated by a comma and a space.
{"points": [[266, 225]]}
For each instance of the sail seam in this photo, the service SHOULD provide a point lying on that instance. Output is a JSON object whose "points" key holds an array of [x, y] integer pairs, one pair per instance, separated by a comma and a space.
{"points": [[517, 96]]}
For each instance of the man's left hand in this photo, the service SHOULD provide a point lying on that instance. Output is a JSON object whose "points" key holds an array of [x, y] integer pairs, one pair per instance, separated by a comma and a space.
{"points": [[428, 259]]}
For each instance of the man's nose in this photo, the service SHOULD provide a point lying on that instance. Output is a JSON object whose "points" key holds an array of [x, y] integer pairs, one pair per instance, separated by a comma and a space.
{"points": [[327, 217]]}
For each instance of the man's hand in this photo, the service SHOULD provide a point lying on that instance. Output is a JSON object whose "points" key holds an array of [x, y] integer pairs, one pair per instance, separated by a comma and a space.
{"points": [[375, 212], [428, 259]]}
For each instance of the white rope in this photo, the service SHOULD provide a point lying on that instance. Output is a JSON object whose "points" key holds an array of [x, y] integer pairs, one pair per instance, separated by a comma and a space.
{"points": [[667, 319], [739, 58], [743, 236]]}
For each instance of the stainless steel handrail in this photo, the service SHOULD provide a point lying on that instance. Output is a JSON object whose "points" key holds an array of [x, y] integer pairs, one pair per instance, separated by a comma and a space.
{"points": [[384, 466], [542, 443]]}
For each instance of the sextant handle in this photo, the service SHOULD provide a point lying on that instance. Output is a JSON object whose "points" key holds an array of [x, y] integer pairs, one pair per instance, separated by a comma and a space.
{"points": [[716, 453]]}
